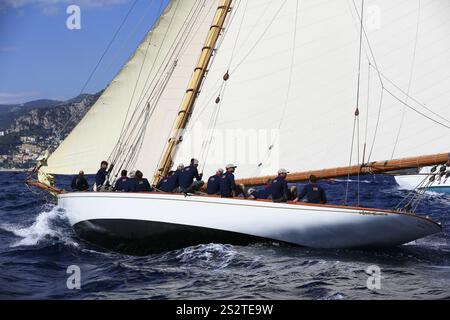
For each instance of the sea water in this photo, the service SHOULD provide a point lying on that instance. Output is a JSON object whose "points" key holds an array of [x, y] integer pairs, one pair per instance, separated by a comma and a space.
{"points": [[38, 250]]}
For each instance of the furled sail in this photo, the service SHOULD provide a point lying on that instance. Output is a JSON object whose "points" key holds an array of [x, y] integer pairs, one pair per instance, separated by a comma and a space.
{"points": [[292, 91], [139, 106]]}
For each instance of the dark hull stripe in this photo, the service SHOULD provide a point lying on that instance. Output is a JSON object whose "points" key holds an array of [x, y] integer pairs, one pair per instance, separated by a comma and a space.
{"points": [[139, 237]]}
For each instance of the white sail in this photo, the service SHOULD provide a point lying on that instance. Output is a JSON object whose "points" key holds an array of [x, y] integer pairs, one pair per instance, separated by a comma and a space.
{"points": [[291, 96], [151, 84]]}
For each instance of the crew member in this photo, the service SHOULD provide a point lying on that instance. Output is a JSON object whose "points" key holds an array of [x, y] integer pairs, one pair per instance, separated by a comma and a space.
{"points": [[101, 175], [122, 182], [79, 182], [313, 192], [186, 178], [227, 185], [263, 193], [141, 184], [171, 182], [214, 183], [280, 191]]}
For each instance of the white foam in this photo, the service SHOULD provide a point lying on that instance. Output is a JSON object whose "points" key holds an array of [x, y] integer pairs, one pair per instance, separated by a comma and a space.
{"points": [[42, 228], [212, 255]]}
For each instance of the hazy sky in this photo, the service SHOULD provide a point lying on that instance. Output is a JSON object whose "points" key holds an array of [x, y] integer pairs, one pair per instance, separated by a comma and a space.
{"points": [[41, 58]]}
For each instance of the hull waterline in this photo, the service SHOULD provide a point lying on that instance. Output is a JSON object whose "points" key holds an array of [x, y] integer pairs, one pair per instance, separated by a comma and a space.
{"points": [[145, 223]]}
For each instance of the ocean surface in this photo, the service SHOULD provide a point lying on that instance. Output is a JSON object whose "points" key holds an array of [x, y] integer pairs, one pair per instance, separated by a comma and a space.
{"points": [[37, 246]]}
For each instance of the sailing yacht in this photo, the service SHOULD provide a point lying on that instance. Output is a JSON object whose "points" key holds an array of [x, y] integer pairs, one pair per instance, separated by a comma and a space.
{"points": [[332, 88], [421, 180]]}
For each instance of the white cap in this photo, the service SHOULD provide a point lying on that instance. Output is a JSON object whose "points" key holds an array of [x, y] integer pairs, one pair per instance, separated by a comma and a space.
{"points": [[180, 166], [251, 190], [282, 171], [220, 170], [230, 165], [132, 174]]}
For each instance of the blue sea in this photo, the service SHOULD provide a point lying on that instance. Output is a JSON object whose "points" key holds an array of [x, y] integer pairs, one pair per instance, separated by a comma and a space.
{"points": [[37, 245]]}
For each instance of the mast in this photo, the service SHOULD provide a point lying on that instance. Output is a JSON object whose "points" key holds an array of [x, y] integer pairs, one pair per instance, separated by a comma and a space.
{"points": [[193, 90], [372, 167]]}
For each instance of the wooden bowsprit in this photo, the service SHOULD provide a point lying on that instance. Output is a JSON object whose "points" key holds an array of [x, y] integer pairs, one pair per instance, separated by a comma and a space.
{"points": [[40, 185]]}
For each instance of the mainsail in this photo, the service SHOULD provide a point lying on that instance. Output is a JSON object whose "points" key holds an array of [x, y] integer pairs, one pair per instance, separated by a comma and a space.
{"points": [[293, 88], [139, 106]]}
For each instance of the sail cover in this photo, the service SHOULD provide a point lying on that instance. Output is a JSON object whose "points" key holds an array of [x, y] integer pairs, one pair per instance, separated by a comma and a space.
{"points": [[144, 96], [291, 97]]}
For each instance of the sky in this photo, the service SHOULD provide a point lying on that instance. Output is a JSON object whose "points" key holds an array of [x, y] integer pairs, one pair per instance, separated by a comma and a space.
{"points": [[41, 58]]}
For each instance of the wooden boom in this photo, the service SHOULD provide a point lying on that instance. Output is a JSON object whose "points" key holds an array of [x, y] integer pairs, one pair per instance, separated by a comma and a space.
{"points": [[191, 93], [372, 167]]}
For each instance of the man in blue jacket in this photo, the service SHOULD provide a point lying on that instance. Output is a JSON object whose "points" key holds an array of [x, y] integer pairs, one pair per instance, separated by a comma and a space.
{"points": [[214, 183], [141, 184], [187, 175], [171, 182], [280, 191], [122, 182], [227, 185], [102, 174], [313, 192], [263, 193]]}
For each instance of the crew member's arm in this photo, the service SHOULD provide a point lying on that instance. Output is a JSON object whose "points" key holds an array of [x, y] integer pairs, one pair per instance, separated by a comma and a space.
{"points": [[285, 189], [232, 183], [323, 197], [197, 176], [301, 195]]}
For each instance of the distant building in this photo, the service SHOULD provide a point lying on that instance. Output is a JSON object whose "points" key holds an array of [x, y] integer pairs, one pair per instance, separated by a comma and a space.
{"points": [[27, 139], [30, 148]]}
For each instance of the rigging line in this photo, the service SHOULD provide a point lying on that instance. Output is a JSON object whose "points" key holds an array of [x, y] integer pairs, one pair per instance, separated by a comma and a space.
{"points": [[130, 35], [260, 37], [360, 54], [350, 161], [415, 110], [413, 99], [410, 81], [216, 91], [171, 53], [162, 74], [100, 60], [358, 93], [366, 37], [189, 127], [217, 87], [214, 119], [411, 192], [169, 58], [215, 115], [258, 22], [148, 114], [367, 114], [377, 124], [239, 30], [200, 24], [143, 62], [270, 148], [119, 142], [291, 69], [151, 105]]}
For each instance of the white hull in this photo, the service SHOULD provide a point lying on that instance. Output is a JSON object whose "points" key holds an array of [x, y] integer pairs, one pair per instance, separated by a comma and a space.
{"points": [[410, 182], [156, 222]]}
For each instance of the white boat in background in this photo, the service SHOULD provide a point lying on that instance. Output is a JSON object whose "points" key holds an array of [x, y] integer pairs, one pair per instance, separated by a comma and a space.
{"points": [[413, 181], [152, 222], [317, 87]]}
